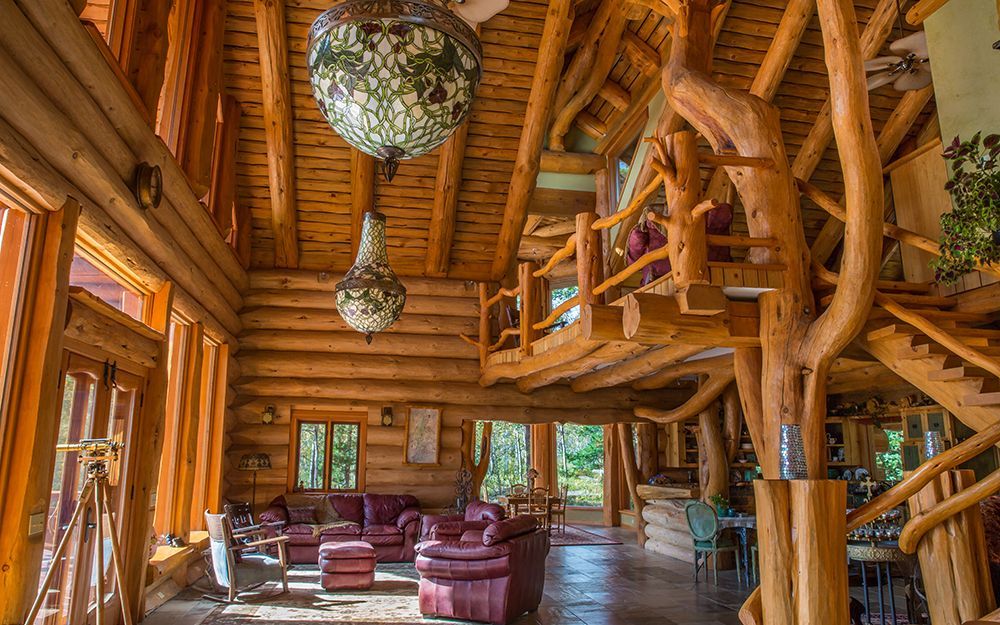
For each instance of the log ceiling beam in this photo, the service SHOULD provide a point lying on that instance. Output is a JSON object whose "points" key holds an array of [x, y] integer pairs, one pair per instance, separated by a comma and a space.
{"points": [[572, 162], [362, 193], [821, 134], [709, 391], [893, 132], [445, 208], [634, 368], [558, 21], [278, 122], [602, 55], [671, 374]]}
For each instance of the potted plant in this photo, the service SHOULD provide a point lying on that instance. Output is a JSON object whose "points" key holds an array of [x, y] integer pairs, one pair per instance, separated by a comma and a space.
{"points": [[721, 504], [970, 233]]}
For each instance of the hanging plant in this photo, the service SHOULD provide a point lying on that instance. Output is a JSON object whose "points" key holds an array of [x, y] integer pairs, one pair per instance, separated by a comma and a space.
{"points": [[970, 233]]}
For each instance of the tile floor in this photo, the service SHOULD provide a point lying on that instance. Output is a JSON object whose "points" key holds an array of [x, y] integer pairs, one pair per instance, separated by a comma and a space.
{"points": [[585, 585]]}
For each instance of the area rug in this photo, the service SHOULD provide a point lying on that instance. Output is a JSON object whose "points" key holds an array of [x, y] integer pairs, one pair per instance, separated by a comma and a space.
{"points": [[574, 536], [392, 600]]}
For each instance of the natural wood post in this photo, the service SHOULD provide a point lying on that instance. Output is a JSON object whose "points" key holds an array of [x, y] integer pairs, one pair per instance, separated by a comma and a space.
{"points": [[648, 451], [612, 483], [477, 469], [27, 456], [543, 454], [774, 538], [713, 469], [819, 547], [533, 305], [589, 258], [631, 470], [732, 422], [953, 556]]}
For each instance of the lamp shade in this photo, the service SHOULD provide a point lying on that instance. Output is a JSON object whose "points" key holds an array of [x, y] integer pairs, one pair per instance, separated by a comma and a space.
{"points": [[394, 78], [254, 462], [370, 298]]}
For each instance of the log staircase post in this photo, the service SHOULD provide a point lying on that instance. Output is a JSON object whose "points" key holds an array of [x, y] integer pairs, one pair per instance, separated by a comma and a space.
{"points": [[589, 259], [953, 556], [533, 304], [485, 338]]}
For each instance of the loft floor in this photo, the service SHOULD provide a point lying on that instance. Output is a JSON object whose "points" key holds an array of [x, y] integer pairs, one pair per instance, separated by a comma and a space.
{"points": [[584, 585]]}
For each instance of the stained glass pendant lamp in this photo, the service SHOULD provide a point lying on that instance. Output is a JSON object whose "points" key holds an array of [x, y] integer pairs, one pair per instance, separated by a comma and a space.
{"points": [[394, 78], [370, 298]]}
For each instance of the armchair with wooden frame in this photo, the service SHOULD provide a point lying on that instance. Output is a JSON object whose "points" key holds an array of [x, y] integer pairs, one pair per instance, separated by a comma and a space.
{"points": [[239, 566]]}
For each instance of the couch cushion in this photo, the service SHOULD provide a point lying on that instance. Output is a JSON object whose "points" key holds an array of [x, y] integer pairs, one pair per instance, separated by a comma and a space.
{"points": [[455, 550], [482, 511], [509, 528], [350, 550], [383, 509], [384, 541], [302, 514], [472, 536], [381, 530], [350, 506]]}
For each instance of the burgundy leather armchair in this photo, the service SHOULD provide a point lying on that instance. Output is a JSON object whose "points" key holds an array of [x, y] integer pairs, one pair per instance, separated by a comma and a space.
{"points": [[493, 580], [389, 523], [478, 515]]}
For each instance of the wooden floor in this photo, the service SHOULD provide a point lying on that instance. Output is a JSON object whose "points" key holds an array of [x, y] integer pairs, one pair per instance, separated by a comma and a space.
{"points": [[585, 585]]}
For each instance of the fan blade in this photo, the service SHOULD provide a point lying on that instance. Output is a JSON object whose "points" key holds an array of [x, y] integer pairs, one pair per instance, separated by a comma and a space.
{"points": [[911, 81], [915, 43], [881, 63], [478, 11], [877, 80]]}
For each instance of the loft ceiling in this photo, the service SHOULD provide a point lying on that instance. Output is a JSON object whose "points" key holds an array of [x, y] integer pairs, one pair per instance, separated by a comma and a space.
{"points": [[323, 163]]}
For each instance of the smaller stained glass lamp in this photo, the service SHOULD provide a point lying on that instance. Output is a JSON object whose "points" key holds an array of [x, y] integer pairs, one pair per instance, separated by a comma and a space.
{"points": [[370, 298], [254, 462]]}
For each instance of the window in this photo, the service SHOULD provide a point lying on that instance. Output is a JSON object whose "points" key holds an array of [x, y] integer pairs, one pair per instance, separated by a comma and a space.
{"points": [[509, 457], [207, 468], [890, 461], [557, 297], [165, 501], [329, 451], [580, 457], [101, 281]]}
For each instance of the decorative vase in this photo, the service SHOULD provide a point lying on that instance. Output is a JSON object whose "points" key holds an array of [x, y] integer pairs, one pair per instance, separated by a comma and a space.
{"points": [[792, 453], [933, 444]]}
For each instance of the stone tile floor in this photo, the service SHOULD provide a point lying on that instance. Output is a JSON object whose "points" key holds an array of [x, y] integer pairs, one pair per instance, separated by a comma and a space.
{"points": [[585, 585]]}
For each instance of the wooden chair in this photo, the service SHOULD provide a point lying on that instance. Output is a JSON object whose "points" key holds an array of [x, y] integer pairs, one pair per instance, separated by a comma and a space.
{"points": [[706, 534], [237, 571], [240, 515], [557, 509], [539, 507]]}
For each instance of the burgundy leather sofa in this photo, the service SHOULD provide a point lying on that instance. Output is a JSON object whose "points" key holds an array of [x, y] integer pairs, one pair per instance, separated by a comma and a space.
{"points": [[492, 576], [389, 523], [478, 515]]}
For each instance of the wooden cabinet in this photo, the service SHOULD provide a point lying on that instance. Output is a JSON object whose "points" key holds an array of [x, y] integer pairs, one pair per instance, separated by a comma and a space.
{"points": [[842, 447], [919, 420]]}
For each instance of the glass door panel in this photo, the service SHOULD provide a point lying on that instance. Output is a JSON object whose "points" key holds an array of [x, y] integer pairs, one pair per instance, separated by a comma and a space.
{"points": [[76, 422]]}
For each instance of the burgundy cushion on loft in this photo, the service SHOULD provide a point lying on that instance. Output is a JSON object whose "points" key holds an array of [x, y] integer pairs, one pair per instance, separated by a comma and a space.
{"points": [[384, 509], [509, 528], [346, 551]]}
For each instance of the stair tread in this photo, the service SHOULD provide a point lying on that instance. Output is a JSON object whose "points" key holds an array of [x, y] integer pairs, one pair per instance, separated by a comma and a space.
{"points": [[983, 399], [963, 372]]}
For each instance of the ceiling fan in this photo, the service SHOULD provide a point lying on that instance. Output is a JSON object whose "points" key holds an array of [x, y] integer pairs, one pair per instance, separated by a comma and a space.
{"points": [[909, 69], [476, 12]]}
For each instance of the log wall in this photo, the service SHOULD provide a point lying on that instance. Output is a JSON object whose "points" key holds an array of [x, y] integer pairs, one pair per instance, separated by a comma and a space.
{"points": [[297, 354]]}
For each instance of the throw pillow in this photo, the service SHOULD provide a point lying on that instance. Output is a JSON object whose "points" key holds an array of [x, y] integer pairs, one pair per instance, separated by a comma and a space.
{"points": [[302, 514]]}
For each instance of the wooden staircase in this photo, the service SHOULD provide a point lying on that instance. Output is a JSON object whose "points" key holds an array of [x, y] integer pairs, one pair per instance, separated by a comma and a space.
{"points": [[970, 392]]}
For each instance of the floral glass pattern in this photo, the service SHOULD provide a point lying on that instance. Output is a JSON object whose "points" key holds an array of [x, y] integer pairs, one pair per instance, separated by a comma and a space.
{"points": [[394, 78], [370, 298]]}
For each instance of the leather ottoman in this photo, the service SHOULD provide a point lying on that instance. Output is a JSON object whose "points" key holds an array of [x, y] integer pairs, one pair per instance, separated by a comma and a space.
{"points": [[347, 565]]}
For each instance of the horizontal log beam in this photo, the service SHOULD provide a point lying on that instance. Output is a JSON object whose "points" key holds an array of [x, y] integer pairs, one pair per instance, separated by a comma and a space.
{"points": [[657, 319]]}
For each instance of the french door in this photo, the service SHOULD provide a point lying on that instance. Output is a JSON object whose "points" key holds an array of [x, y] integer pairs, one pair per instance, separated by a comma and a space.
{"points": [[99, 400]]}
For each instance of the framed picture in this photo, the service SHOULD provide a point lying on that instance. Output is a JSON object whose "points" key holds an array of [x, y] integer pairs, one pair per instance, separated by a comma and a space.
{"points": [[423, 436]]}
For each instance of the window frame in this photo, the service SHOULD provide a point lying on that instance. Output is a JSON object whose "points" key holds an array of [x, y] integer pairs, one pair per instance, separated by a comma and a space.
{"points": [[114, 270], [329, 418]]}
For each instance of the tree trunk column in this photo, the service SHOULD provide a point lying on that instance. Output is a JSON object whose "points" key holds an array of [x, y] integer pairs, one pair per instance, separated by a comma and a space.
{"points": [[533, 305], [802, 537], [953, 556], [589, 263]]}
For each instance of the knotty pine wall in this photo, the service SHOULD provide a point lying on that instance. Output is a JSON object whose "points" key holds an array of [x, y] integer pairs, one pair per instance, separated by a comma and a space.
{"points": [[294, 338]]}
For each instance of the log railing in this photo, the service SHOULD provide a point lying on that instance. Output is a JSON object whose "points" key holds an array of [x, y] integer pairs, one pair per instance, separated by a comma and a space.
{"points": [[486, 302]]}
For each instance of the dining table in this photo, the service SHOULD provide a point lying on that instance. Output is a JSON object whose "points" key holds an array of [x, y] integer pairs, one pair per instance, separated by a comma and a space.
{"points": [[742, 525], [515, 503]]}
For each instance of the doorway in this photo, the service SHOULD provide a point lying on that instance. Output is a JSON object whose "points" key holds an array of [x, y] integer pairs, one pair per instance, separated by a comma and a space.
{"points": [[99, 400]]}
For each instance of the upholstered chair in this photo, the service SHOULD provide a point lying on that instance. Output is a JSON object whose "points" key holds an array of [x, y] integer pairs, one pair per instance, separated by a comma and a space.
{"points": [[237, 571]]}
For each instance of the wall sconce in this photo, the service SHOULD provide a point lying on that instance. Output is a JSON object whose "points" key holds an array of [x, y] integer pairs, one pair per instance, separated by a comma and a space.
{"points": [[267, 417], [387, 416]]}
